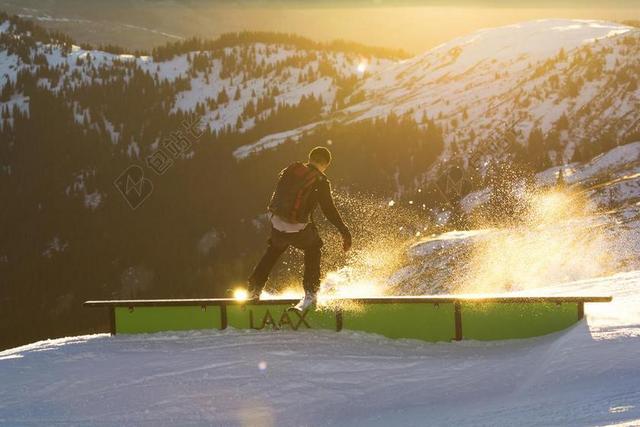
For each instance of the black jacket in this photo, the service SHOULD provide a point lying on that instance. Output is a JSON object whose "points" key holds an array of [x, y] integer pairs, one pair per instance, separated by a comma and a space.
{"points": [[321, 195]]}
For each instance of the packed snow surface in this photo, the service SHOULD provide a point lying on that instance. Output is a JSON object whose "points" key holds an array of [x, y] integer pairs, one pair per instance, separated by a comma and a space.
{"points": [[586, 375]]}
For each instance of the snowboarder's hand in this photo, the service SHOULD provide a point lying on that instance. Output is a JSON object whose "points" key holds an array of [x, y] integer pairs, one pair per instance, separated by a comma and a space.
{"points": [[346, 241]]}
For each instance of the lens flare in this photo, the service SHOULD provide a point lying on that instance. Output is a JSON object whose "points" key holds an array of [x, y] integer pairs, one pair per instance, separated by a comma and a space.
{"points": [[240, 294]]}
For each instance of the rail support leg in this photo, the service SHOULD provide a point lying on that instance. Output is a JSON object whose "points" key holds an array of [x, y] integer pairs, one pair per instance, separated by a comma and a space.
{"points": [[457, 310], [112, 320], [580, 310]]}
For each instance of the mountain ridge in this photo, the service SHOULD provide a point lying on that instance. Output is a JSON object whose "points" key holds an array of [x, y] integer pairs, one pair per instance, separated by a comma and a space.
{"points": [[460, 85], [75, 120]]}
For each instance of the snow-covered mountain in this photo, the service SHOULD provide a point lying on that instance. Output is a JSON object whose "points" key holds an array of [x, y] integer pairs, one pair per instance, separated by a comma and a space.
{"points": [[74, 118], [586, 227], [575, 80], [232, 86]]}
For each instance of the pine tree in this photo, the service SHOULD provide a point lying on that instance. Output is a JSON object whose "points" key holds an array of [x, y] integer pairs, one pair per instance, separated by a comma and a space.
{"points": [[563, 122], [223, 98], [536, 149]]}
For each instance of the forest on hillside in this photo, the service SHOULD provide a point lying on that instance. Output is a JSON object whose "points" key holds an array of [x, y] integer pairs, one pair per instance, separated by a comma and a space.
{"points": [[70, 132], [69, 235]]}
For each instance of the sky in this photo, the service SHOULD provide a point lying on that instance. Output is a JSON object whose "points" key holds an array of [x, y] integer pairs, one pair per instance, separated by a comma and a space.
{"points": [[414, 26]]}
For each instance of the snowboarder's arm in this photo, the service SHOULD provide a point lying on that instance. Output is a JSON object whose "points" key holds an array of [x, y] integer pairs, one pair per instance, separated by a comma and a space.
{"points": [[329, 210]]}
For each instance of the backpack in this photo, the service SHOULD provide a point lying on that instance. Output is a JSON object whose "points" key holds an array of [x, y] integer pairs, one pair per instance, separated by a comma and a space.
{"points": [[296, 183]]}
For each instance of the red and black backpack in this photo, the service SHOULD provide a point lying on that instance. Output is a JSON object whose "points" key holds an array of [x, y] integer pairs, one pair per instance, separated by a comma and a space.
{"points": [[295, 185]]}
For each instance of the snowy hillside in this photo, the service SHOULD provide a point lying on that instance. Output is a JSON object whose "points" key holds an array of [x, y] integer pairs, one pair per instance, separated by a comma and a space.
{"points": [[585, 376], [231, 87], [74, 118], [585, 228], [574, 80]]}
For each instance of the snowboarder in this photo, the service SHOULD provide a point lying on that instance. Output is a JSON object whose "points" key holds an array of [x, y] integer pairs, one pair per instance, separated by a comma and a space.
{"points": [[300, 188]]}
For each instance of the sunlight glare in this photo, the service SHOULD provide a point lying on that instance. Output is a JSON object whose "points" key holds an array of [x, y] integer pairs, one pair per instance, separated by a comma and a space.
{"points": [[240, 294]]}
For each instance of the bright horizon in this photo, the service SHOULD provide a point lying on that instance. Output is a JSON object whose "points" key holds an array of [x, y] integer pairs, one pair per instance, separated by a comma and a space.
{"points": [[413, 28]]}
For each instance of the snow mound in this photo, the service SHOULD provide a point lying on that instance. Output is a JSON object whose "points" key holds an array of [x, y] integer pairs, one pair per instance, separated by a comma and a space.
{"points": [[613, 159]]}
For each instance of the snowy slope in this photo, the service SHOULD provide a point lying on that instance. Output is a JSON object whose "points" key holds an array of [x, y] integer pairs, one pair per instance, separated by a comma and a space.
{"points": [[466, 66], [526, 75], [586, 228], [290, 82], [531, 74], [492, 77], [283, 73], [615, 171], [587, 375]]}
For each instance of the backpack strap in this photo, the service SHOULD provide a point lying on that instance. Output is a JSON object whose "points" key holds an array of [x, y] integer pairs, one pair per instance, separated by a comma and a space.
{"points": [[310, 177]]}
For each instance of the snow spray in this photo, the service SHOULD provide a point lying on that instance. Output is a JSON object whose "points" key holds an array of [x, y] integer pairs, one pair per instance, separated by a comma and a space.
{"points": [[382, 232], [556, 236]]}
